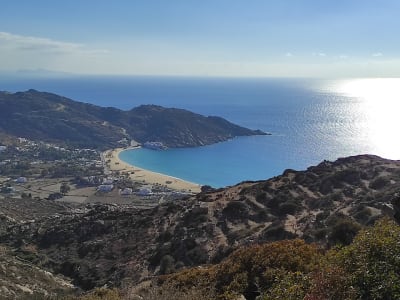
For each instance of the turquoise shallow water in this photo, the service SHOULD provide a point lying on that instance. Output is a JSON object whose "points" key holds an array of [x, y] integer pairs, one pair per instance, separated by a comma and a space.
{"points": [[311, 120], [217, 165]]}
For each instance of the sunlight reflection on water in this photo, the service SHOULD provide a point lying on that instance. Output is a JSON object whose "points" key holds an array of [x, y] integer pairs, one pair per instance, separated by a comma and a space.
{"points": [[378, 109]]}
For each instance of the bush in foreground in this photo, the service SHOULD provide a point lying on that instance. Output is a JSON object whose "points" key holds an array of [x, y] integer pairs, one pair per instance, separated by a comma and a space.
{"points": [[369, 268]]}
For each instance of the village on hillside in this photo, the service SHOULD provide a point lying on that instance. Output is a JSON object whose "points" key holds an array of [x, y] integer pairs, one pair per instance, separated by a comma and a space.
{"points": [[44, 171]]}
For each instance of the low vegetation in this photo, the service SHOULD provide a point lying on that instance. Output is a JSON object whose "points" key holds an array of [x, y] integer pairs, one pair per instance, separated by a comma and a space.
{"points": [[368, 268], [301, 235]]}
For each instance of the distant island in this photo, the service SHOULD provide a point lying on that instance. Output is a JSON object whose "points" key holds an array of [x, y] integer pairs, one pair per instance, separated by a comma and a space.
{"points": [[49, 117]]}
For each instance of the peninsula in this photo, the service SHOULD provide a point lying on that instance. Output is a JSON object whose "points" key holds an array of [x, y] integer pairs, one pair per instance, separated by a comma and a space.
{"points": [[49, 117]]}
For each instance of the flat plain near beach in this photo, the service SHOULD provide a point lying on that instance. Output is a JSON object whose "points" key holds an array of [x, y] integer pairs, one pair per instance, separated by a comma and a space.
{"points": [[114, 163]]}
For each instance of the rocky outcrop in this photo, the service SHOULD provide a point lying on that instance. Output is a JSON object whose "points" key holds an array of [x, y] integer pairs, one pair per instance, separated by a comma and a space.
{"points": [[21, 279]]}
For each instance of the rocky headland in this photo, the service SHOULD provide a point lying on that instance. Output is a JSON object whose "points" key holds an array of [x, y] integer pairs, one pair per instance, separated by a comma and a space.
{"points": [[48, 117]]}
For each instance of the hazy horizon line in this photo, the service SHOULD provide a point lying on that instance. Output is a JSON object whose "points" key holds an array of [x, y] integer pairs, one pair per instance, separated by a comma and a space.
{"points": [[45, 73]]}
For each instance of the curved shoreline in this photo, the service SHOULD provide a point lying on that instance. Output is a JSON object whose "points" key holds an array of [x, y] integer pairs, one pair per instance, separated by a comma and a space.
{"points": [[146, 176]]}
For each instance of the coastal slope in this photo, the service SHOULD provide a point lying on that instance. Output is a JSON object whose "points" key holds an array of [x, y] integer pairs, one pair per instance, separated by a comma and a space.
{"points": [[107, 244], [50, 117]]}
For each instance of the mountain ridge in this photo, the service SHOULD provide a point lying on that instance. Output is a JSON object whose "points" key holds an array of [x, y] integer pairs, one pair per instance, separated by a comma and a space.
{"points": [[46, 116]]}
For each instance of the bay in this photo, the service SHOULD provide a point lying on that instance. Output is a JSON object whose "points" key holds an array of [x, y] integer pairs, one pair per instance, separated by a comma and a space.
{"points": [[310, 120]]}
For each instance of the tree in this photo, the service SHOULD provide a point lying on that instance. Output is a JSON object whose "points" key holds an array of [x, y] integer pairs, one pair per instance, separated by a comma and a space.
{"points": [[167, 264], [64, 188]]}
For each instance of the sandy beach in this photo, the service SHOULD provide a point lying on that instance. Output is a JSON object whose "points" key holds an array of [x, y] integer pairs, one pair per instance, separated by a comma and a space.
{"points": [[146, 176]]}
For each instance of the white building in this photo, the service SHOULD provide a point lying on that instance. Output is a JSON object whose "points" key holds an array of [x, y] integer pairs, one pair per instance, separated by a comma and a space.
{"points": [[126, 192], [144, 191], [21, 180], [108, 181], [154, 145], [105, 188]]}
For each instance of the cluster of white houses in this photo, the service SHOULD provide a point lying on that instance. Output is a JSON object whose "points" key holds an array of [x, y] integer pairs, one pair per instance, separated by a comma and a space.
{"points": [[107, 186], [143, 191], [154, 145]]}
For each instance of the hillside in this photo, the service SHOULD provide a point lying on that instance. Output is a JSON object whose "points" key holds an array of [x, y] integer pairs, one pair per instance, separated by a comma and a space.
{"points": [[110, 244], [45, 116]]}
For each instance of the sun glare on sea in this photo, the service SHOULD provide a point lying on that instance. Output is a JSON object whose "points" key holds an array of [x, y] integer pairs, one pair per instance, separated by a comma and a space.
{"points": [[380, 105]]}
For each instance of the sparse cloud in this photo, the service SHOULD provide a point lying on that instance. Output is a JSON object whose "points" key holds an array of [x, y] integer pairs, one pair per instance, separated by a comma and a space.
{"points": [[319, 54], [39, 44], [377, 54], [23, 52], [343, 56], [289, 54]]}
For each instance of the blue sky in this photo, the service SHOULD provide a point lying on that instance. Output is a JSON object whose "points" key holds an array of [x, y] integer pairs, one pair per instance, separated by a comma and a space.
{"points": [[285, 38]]}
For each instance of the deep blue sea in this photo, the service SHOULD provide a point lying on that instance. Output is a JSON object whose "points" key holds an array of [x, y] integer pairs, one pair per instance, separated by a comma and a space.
{"points": [[310, 120]]}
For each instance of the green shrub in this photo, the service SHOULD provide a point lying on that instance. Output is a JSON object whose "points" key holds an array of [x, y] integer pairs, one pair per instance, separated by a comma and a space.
{"points": [[262, 264], [363, 215], [236, 210], [290, 286], [276, 231], [167, 264], [379, 183], [343, 232], [288, 207], [372, 261]]}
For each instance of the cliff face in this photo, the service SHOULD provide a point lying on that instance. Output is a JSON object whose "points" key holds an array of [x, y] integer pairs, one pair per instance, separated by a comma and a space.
{"points": [[45, 116], [100, 244]]}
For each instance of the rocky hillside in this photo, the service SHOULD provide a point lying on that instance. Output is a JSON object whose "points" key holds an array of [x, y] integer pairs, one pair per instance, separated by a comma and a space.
{"points": [[20, 275], [109, 244], [45, 116], [21, 279]]}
